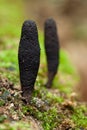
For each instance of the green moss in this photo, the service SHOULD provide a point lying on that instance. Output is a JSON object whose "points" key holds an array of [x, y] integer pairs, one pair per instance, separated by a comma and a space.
{"points": [[2, 118], [2, 102], [79, 117], [47, 96], [49, 119]]}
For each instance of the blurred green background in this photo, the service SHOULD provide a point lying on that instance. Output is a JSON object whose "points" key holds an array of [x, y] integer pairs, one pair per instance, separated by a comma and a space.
{"points": [[70, 15]]}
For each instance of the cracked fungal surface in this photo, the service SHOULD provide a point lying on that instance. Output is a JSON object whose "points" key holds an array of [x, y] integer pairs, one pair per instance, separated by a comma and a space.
{"points": [[29, 58], [52, 49]]}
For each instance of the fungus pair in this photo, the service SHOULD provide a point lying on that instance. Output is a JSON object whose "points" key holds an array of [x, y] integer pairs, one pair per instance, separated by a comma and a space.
{"points": [[29, 55]]}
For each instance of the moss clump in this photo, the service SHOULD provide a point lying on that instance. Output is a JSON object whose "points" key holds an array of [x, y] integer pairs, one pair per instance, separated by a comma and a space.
{"points": [[49, 119], [2, 118], [2, 102], [79, 116]]}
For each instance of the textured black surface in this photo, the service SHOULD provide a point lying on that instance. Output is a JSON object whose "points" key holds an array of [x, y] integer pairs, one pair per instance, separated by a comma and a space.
{"points": [[28, 57], [51, 48]]}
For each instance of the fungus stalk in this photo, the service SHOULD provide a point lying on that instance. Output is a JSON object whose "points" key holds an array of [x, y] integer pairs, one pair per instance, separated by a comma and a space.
{"points": [[52, 47], [29, 58]]}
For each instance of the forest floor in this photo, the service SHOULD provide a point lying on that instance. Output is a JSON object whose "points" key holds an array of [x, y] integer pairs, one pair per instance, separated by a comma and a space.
{"points": [[58, 108]]}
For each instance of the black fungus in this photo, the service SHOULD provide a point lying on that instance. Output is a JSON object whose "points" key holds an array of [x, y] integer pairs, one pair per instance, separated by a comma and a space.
{"points": [[52, 47], [29, 58]]}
